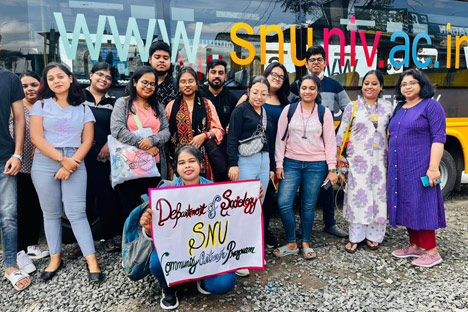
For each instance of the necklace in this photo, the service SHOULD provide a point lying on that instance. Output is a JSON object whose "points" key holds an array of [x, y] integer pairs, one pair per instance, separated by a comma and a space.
{"points": [[304, 124]]}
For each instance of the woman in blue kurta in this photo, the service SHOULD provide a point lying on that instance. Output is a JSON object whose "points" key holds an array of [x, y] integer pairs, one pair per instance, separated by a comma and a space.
{"points": [[417, 137]]}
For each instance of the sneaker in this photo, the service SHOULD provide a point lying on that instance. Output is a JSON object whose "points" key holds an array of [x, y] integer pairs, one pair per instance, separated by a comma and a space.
{"points": [[243, 272], [427, 260], [24, 263], [201, 290], [270, 240], [36, 252], [169, 299], [407, 252]]}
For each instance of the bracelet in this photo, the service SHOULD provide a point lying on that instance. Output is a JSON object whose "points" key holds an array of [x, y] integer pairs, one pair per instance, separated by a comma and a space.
{"points": [[18, 157], [433, 169], [206, 134]]}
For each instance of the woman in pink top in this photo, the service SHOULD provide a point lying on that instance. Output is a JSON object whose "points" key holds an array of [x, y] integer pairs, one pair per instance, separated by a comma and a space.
{"points": [[140, 110], [306, 156]]}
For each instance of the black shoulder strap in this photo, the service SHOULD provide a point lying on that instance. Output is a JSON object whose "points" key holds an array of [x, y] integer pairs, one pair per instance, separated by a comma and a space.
{"points": [[397, 108], [291, 110], [321, 113]]}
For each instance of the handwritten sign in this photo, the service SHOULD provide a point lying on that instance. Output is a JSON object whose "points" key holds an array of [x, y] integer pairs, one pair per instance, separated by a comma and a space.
{"points": [[205, 230]]}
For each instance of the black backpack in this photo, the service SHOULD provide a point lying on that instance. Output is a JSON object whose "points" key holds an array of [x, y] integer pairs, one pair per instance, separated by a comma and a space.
{"points": [[292, 109]]}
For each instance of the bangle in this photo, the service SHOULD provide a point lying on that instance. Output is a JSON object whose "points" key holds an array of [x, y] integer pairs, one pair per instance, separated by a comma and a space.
{"points": [[18, 157], [206, 134], [433, 169]]}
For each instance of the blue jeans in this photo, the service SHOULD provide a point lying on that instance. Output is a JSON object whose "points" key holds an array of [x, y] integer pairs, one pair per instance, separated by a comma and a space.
{"points": [[256, 166], [217, 285], [311, 174], [8, 217], [72, 193]]}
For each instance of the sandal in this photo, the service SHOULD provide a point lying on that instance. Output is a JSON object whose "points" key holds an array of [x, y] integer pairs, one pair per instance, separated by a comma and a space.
{"points": [[285, 251], [17, 276], [308, 250], [352, 248], [110, 246], [74, 253], [368, 242]]}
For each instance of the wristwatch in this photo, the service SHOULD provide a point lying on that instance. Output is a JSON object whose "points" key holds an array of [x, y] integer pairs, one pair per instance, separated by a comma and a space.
{"points": [[18, 157], [60, 158]]}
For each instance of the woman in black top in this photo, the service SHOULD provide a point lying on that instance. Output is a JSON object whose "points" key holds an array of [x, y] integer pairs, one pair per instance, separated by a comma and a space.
{"points": [[99, 193], [246, 120]]}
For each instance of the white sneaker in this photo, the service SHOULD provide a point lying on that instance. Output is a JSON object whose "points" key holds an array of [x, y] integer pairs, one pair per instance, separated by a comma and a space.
{"points": [[201, 290], [24, 263], [36, 252], [243, 272]]}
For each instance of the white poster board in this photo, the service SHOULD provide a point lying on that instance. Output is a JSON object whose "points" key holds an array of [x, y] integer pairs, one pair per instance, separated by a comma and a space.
{"points": [[206, 230]]}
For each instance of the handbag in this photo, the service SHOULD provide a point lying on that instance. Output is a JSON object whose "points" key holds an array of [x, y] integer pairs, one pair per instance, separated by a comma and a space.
{"points": [[216, 156], [129, 162], [343, 165], [254, 144]]}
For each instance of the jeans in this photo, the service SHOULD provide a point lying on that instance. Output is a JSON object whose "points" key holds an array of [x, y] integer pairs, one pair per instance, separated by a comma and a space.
{"points": [[217, 285], [72, 193], [256, 166], [8, 217], [311, 174]]}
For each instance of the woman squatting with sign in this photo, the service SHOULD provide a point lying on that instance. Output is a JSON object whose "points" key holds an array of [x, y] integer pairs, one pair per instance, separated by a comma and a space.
{"points": [[188, 164]]}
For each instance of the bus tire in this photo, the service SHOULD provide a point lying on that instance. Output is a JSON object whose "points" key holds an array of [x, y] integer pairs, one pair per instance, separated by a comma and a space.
{"points": [[448, 173]]}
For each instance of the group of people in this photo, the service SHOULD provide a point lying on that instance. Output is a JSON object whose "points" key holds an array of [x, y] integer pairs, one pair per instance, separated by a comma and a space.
{"points": [[57, 156]]}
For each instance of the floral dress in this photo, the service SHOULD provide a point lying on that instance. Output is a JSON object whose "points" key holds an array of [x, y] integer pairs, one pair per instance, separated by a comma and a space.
{"points": [[365, 199]]}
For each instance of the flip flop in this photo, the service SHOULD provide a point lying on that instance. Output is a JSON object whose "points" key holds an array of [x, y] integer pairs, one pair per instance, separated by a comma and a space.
{"points": [[74, 253], [285, 251], [17, 276], [351, 250], [111, 246], [371, 247], [308, 250]]}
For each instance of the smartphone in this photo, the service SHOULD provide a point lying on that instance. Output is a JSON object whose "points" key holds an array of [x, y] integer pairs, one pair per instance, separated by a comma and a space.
{"points": [[326, 185], [425, 181]]}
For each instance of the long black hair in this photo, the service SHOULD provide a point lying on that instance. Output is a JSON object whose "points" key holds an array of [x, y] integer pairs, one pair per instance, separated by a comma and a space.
{"points": [[30, 74], [283, 92], [76, 95], [427, 90], [318, 83], [131, 91]]}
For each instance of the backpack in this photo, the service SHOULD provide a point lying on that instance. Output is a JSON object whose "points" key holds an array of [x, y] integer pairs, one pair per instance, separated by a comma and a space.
{"points": [[137, 249], [292, 109]]}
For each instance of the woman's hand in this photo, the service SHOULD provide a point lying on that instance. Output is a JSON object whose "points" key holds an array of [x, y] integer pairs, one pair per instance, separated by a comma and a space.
{"points": [[272, 175], [198, 140], [433, 175], [262, 193], [62, 174], [332, 176], [70, 164], [145, 144], [104, 152], [154, 151], [233, 173], [145, 221], [280, 173]]}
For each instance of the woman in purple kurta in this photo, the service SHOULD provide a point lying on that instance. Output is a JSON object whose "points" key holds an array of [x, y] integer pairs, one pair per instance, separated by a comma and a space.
{"points": [[417, 134]]}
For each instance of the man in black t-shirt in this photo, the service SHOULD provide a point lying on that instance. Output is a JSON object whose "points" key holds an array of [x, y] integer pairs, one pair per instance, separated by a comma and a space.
{"points": [[160, 60], [223, 99], [11, 102]]}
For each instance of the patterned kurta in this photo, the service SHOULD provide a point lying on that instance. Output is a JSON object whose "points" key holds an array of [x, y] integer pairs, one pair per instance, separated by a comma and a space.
{"points": [[412, 133], [365, 200]]}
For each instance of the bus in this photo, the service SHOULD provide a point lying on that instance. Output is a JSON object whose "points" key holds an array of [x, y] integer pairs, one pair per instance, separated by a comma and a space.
{"points": [[389, 35]]}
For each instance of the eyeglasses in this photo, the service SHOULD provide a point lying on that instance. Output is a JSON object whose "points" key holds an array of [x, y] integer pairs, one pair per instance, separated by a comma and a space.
{"points": [[147, 84], [409, 84], [277, 77], [101, 75], [187, 82], [319, 60]]}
